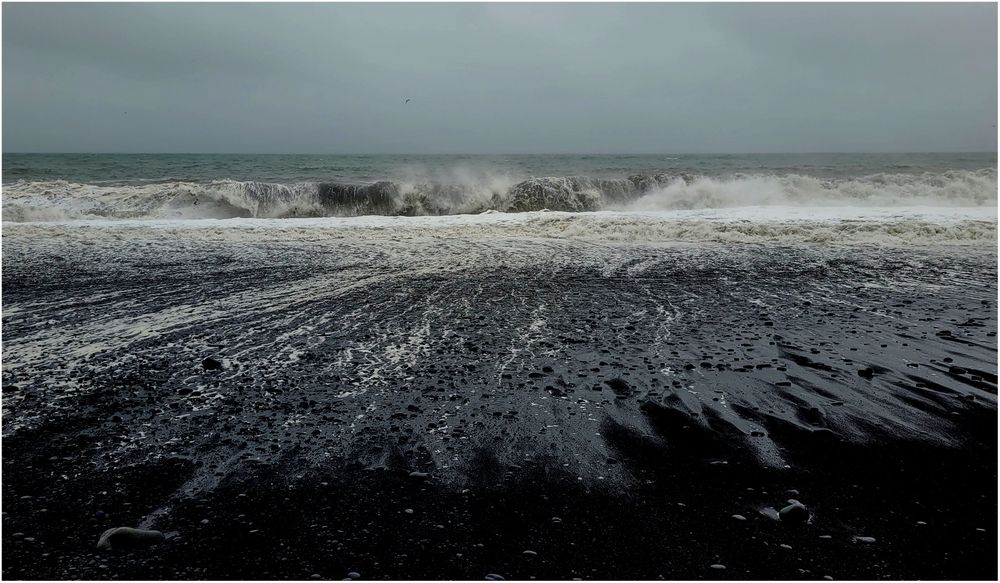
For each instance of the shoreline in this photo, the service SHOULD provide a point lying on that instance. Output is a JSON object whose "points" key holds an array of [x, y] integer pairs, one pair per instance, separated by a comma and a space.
{"points": [[892, 227]]}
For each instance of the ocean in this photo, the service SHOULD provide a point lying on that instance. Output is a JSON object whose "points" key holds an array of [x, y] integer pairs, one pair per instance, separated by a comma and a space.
{"points": [[44, 187]]}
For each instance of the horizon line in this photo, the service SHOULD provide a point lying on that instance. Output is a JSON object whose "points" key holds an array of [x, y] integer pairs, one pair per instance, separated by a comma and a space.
{"points": [[60, 153]]}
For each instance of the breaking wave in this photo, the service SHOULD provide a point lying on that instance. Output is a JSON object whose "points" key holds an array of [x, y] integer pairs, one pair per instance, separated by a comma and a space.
{"points": [[25, 201]]}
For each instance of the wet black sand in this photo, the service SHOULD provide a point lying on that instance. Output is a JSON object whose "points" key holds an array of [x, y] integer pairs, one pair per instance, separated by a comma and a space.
{"points": [[607, 407]]}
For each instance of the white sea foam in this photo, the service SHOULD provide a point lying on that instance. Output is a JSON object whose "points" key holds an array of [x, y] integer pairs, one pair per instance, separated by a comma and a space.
{"points": [[947, 189], [899, 226]]}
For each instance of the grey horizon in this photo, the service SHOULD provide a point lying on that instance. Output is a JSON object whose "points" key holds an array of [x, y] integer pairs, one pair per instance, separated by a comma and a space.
{"points": [[499, 78]]}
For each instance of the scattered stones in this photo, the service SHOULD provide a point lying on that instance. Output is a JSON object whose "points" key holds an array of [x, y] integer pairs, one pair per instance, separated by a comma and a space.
{"points": [[794, 513], [124, 537]]}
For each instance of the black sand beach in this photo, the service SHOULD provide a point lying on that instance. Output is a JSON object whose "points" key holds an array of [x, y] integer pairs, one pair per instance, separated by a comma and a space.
{"points": [[531, 408]]}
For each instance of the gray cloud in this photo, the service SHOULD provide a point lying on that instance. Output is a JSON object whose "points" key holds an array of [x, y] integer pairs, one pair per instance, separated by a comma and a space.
{"points": [[499, 77]]}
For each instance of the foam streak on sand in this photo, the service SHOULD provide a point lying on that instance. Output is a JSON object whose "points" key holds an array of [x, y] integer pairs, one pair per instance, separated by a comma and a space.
{"points": [[378, 313]]}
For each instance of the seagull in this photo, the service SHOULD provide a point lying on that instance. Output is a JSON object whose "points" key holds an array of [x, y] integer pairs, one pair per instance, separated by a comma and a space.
{"points": [[405, 102]]}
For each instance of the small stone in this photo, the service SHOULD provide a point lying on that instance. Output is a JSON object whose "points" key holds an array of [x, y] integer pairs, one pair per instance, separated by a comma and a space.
{"points": [[419, 475], [408, 511], [864, 539], [795, 512], [315, 576], [494, 577], [530, 553], [354, 575], [124, 537], [739, 517], [718, 566], [211, 364], [789, 547]]}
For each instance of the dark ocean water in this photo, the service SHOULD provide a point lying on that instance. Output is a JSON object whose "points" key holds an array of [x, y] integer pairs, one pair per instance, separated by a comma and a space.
{"points": [[139, 168]]}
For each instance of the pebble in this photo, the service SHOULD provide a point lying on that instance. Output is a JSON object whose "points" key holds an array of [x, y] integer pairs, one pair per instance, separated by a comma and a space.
{"points": [[530, 553], [419, 475], [408, 511], [864, 539], [315, 576], [354, 575], [125, 537], [739, 517], [494, 577], [719, 566], [211, 364], [795, 512]]}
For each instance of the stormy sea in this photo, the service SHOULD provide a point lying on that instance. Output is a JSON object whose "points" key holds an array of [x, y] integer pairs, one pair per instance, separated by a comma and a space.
{"points": [[516, 367]]}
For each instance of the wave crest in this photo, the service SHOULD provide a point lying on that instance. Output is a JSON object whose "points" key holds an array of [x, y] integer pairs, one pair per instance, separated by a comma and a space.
{"points": [[26, 201]]}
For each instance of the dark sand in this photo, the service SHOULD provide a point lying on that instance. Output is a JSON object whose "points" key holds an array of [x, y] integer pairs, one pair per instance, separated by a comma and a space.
{"points": [[607, 407]]}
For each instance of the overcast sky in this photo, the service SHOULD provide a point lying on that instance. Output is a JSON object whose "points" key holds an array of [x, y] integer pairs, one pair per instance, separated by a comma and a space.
{"points": [[499, 78]]}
